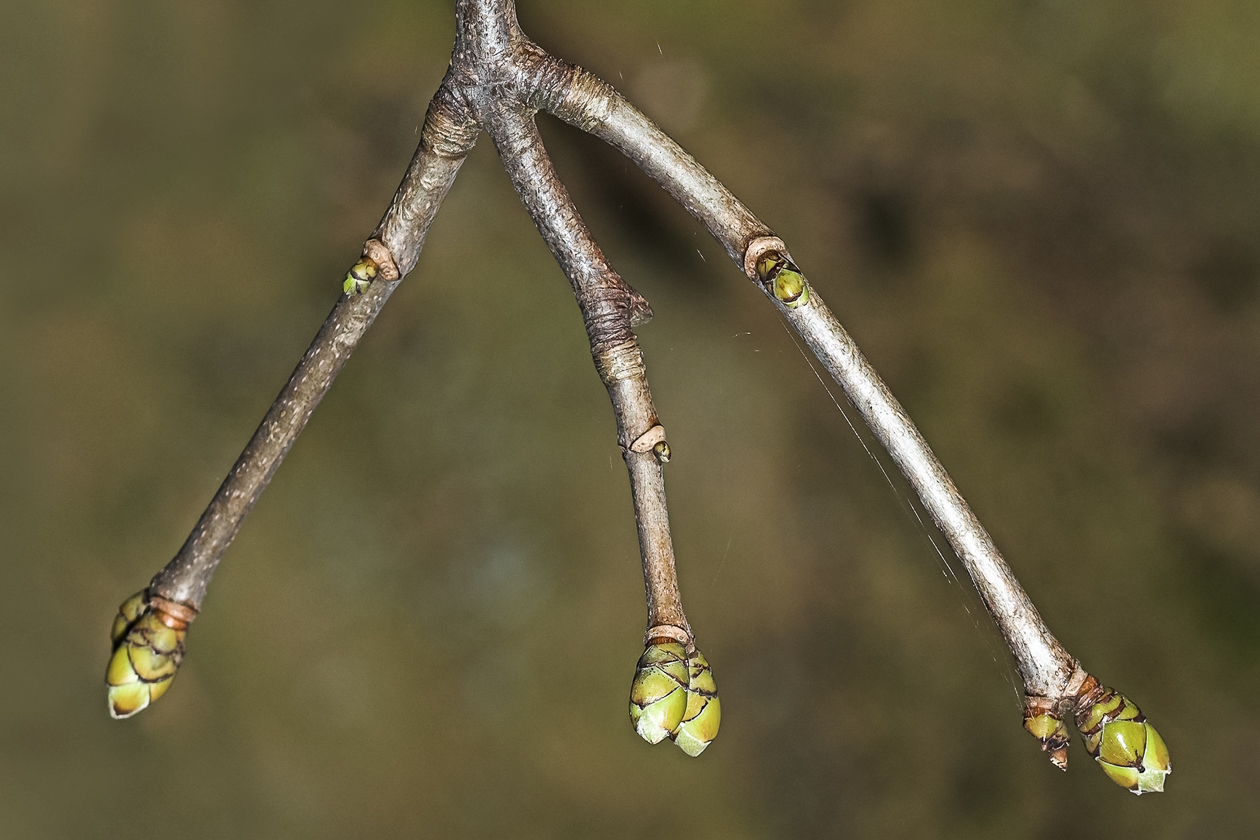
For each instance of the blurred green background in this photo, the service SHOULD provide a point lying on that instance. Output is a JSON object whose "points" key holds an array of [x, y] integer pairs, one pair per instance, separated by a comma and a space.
{"points": [[1038, 217]]}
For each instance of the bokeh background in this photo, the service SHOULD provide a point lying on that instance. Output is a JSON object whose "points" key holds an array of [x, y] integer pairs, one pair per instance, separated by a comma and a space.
{"points": [[1038, 217]]}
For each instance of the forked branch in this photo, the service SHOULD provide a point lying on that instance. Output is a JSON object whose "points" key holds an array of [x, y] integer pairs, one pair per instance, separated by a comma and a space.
{"points": [[497, 80]]}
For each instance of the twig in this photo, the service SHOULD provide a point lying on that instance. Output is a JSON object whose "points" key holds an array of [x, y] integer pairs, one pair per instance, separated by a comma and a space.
{"points": [[593, 105], [175, 594], [497, 80], [673, 693], [1054, 682], [393, 249], [609, 309]]}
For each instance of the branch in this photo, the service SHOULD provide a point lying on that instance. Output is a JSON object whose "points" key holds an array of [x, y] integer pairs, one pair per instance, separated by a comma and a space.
{"points": [[609, 308], [1054, 682], [175, 594], [665, 699], [498, 79]]}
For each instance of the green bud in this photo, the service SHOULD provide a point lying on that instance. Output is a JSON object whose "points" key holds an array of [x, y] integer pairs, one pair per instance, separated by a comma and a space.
{"points": [[127, 614], [1049, 728], [700, 721], [1125, 745], [360, 277], [147, 652], [658, 695], [783, 279], [790, 288]]}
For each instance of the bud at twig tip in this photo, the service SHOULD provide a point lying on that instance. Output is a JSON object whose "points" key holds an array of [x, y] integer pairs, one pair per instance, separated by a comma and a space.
{"points": [[148, 638], [1121, 740], [658, 695], [700, 721]]}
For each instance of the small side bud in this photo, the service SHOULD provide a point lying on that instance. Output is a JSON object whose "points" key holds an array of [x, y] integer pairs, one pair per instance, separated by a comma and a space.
{"points": [[658, 695], [700, 721], [148, 638], [790, 287], [661, 450], [783, 279], [1044, 721], [360, 277], [1125, 745]]}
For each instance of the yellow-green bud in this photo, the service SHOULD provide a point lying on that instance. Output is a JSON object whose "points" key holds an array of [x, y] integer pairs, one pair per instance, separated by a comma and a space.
{"points": [[790, 288], [658, 695], [148, 646], [1126, 746], [1043, 718], [768, 262], [783, 279], [700, 721], [127, 614], [360, 277]]}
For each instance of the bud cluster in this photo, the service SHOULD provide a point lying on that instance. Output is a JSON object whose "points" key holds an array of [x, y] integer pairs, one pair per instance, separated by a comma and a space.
{"points": [[1116, 734], [674, 695], [148, 646]]}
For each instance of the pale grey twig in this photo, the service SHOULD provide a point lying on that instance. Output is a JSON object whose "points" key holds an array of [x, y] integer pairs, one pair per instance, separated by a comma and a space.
{"points": [[1047, 669], [610, 308], [448, 135]]}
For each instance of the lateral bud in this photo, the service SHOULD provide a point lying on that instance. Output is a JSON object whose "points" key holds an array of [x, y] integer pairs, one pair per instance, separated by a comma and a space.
{"points": [[360, 276], [782, 279], [653, 440], [1043, 718]]}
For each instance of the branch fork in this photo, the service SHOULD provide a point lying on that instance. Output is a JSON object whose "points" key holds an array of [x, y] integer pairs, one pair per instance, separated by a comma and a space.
{"points": [[497, 81]]}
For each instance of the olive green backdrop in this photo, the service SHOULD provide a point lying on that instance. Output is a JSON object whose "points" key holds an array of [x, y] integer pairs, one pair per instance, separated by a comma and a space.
{"points": [[1038, 217]]}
